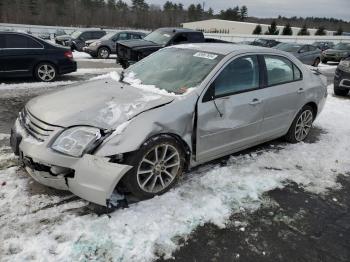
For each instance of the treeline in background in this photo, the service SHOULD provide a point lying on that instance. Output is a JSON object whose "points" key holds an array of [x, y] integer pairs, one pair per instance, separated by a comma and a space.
{"points": [[138, 14]]}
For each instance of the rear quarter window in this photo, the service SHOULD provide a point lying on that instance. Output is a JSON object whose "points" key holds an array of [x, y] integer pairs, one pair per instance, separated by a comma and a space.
{"points": [[279, 70]]}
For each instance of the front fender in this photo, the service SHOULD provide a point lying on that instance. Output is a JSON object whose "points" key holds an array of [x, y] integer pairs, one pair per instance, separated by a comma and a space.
{"points": [[174, 118]]}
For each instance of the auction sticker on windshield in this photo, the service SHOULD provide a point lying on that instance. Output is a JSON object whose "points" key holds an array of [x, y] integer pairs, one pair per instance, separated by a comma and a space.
{"points": [[205, 55]]}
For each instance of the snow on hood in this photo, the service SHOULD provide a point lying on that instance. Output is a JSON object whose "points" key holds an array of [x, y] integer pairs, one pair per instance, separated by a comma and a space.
{"points": [[103, 103]]}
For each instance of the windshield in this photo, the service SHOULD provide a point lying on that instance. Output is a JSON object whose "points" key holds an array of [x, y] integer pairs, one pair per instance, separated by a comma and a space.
{"points": [[342, 46], [288, 47], [76, 34], [158, 37], [173, 69], [108, 36]]}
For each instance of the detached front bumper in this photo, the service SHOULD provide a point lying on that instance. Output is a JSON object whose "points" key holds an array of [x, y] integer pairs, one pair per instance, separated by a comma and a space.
{"points": [[90, 177]]}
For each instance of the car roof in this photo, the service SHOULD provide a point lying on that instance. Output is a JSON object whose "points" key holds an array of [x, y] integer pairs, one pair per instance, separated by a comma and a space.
{"points": [[222, 48], [176, 29]]}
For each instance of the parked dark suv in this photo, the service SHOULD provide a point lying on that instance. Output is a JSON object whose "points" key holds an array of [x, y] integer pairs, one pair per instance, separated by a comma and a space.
{"points": [[76, 41], [25, 55], [342, 78]]}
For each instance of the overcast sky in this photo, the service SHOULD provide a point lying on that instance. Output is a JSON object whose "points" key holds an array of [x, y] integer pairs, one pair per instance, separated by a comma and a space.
{"points": [[272, 8]]}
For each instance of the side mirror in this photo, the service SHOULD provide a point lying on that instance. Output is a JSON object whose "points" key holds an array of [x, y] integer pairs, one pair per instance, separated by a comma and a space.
{"points": [[210, 94]]}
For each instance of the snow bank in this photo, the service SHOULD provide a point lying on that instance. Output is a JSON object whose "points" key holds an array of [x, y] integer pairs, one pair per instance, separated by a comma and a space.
{"points": [[31, 229]]}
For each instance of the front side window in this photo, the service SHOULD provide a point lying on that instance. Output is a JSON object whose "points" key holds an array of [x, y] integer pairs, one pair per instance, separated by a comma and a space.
{"points": [[279, 70], [181, 38], [173, 69], [240, 75], [123, 36]]}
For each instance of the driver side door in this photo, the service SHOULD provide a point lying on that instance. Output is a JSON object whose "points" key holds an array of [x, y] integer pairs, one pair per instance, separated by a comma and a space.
{"points": [[230, 114]]}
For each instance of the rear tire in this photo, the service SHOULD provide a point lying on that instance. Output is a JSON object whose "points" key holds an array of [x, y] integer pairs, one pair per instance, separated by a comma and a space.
{"points": [[103, 53], [45, 72], [157, 166], [340, 92], [301, 126]]}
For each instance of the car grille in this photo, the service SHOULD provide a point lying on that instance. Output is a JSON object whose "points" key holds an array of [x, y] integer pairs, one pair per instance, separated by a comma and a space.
{"points": [[123, 51], [34, 126]]}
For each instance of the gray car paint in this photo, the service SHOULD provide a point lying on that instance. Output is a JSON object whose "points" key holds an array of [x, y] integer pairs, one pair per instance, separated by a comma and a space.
{"points": [[242, 125]]}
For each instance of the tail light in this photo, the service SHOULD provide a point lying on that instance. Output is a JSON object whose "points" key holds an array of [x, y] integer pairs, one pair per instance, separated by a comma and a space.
{"points": [[68, 54]]}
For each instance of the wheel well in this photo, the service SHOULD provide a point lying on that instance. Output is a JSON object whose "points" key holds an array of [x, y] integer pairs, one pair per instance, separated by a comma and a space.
{"points": [[313, 105], [183, 144], [105, 47]]}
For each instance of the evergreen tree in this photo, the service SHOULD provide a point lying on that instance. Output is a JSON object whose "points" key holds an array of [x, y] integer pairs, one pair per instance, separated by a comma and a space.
{"points": [[272, 30], [339, 31], [243, 12], [287, 30], [320, 31], [257, 30], [304, 31]]}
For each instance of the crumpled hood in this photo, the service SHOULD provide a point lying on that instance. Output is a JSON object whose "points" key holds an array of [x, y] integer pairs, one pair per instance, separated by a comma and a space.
{"points": [[102, 103], [138, 43]]}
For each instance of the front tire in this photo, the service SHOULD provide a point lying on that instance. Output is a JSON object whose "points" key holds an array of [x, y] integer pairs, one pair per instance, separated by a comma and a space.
{"points": [[301, 126], [45, 72], [157, 166], [324, 61], [103, 53]]}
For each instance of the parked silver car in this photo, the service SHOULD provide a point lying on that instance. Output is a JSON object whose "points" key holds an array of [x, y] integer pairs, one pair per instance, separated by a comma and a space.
{"points": [[178, 108], [105, 46], [308, 54]]}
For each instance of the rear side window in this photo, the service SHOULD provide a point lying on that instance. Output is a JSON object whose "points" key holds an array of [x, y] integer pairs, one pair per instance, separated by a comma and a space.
{"points": [[241, 75], [20, 41], [180, 38], [196, 37], [279, 70], [297, 73]]}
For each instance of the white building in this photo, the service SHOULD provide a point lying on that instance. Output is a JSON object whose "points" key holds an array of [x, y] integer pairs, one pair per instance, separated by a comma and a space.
{"points": [[235, 27]]}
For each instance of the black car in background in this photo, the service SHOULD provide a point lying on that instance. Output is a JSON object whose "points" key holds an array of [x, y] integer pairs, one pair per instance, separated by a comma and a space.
{"points": [[25, 55], [76, 41], [265, 42], [342, 78], [337, 53], [131, 51], [323, 45]]}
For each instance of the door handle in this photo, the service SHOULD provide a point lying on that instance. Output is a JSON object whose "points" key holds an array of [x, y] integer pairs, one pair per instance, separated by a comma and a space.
{"points": [[301, 90], [255, 101]]}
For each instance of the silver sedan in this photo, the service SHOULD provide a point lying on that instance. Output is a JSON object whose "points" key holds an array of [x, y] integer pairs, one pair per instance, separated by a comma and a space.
{"points": [[178, 108]]}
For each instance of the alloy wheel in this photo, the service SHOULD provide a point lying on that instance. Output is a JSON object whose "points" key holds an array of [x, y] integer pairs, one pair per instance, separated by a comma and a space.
{"points": [[158, 168], [303, 125], [104, 53], [46, 72]]}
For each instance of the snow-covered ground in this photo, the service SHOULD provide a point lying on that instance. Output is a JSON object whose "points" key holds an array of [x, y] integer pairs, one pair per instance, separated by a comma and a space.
{"points": [[49, 227]]}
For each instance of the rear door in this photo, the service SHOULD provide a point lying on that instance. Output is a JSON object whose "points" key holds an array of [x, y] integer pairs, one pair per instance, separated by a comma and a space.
{"points": [[20, 54], [232, 119], [283, 97]]}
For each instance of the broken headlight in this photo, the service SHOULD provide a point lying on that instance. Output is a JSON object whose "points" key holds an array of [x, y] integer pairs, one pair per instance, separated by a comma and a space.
{"points": [[76, 141]]}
